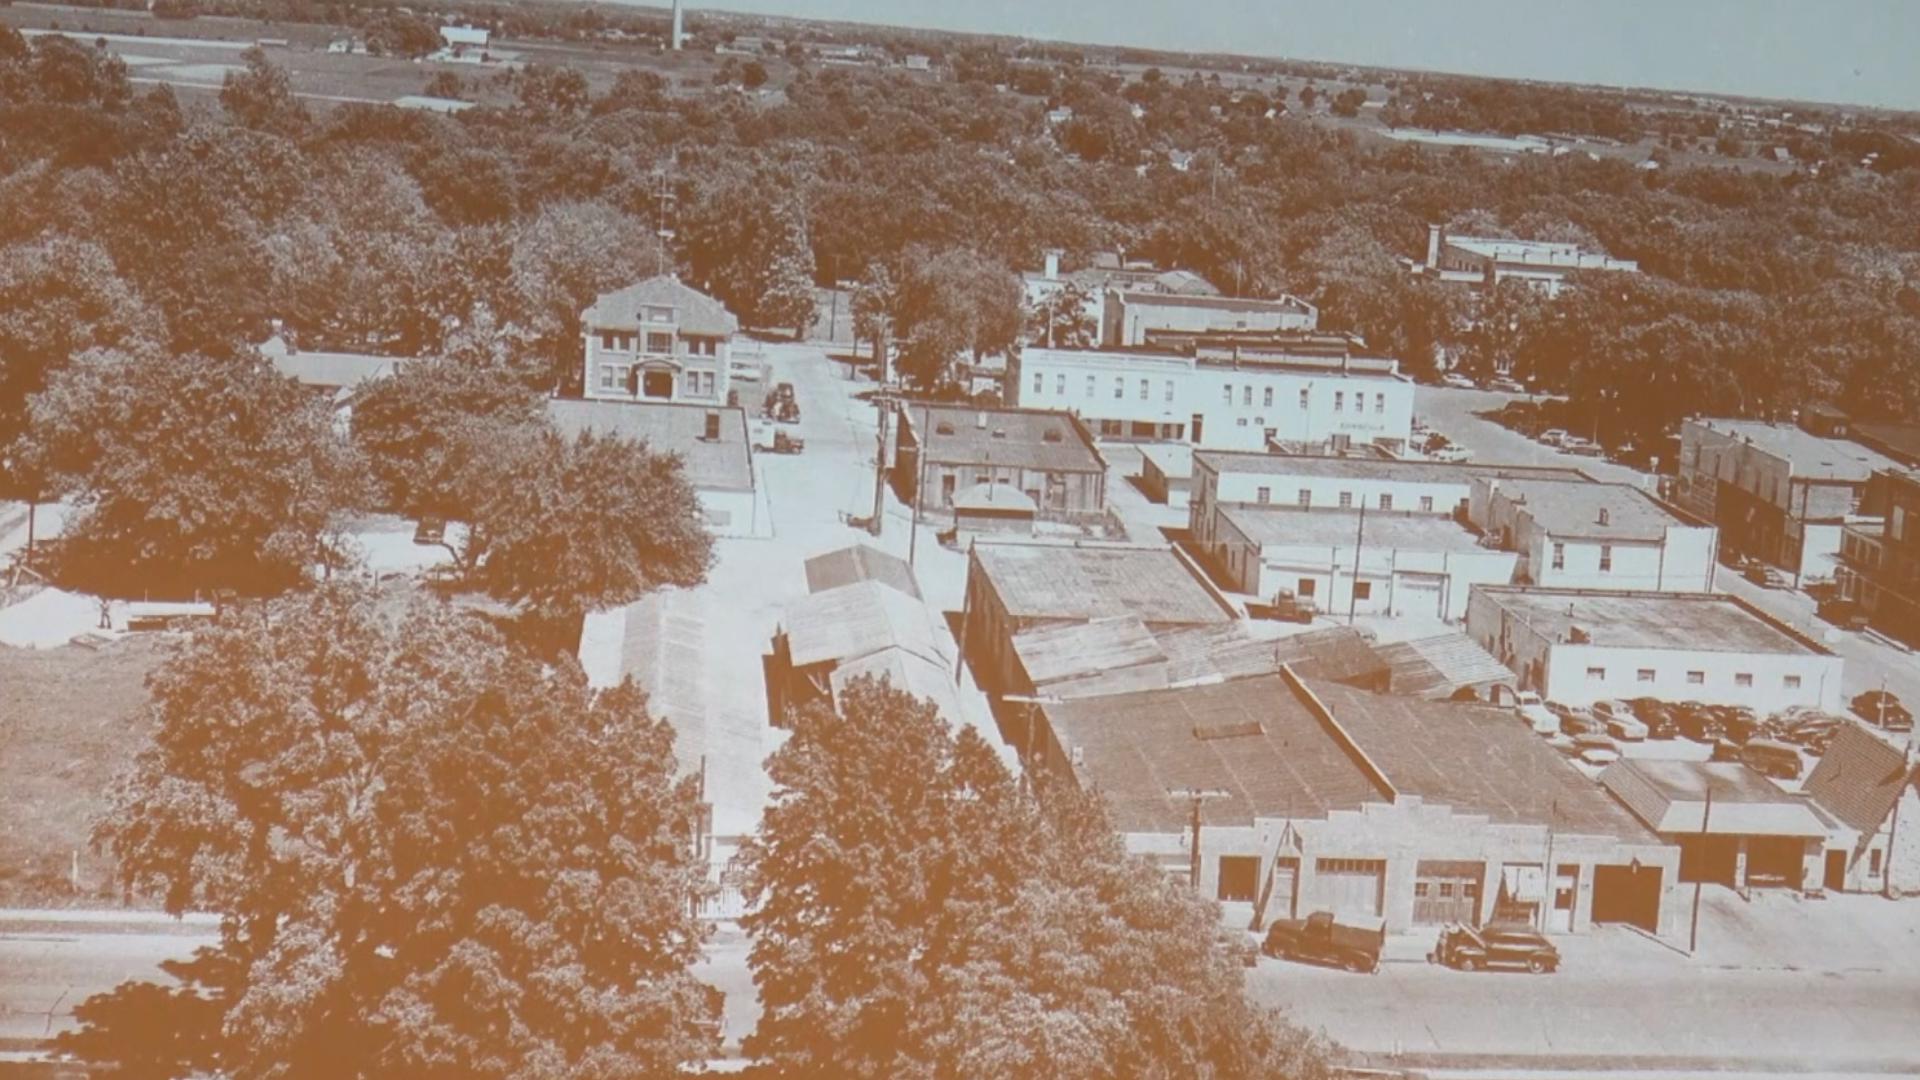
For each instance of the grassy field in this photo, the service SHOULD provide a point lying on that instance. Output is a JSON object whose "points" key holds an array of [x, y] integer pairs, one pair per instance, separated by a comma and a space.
{"points": [[71, 720]]}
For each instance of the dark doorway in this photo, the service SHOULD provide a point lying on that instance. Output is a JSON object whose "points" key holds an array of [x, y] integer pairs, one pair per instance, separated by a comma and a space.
{"points": [[1198, 420], [1836, 870], [1776, 862], [1239, 877], [1627, 894], [656, 384], [1709, 858]]}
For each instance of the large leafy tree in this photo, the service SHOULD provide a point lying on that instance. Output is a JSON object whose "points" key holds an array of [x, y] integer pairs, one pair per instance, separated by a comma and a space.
{"points": [[787, 298], [437, 856], [190, 472], [1060, 319], [423, 430], [954, 303], [922, 914]]}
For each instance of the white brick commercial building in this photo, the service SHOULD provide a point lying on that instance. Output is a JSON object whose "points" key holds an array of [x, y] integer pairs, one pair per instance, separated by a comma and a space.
{"points": [[1407, 564], [1347, 483], [1129, 316], [1579, 646], [1584, 535], [1316, 393]]}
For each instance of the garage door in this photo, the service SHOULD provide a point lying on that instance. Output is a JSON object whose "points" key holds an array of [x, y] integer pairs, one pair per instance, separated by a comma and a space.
{"points": [[1417, 594], [1446, 892], [1347, 886]]}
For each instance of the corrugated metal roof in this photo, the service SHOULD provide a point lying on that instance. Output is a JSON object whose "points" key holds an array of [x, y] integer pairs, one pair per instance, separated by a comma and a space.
{"points": [[1071, 650], [1229, 462], [1064, 581], [858, 620], [904, 671], [860, 562], [1860, 778], [1671, 798]]}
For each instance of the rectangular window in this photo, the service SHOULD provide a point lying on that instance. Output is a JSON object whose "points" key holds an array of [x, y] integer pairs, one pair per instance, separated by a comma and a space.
{"points": [[609, 378], [1744, 678], [1363, 590], [1263, 496], [1790, 682], [606, 341], [1119, 387], [1426, 504], [1306, 497], [1266, 397], [1060, 385], [1303, 398], [1606, 558], [693, 382], [1346, 500], [1169, 389], [1596, 674], [1039, 383], [659, 343], [1386, 501], [1696, 678], [1306, 587], [1446, 890], [1559, 556], [1339, 400], [1089, 386], [1873, 863], [1228, 393], [1379, 403], [1144, 391], [1645, 674], [1246, 396]]}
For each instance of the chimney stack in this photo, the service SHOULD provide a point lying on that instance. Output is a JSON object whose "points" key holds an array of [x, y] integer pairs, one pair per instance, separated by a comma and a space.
{"points": [[676, 26], [1434, 232]]}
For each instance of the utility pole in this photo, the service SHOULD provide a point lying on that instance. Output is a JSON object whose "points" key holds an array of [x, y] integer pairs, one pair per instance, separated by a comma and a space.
{"points": [[884, 402], [1360, 537], [1706, 814], [1552, 872], [1197, 796], [919, 486]]}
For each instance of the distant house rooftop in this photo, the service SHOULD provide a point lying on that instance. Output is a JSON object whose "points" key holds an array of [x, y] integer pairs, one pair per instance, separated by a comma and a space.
{"points": [[1329, 527], [1070, 581], [1812, 456], [860, 562], [1541, 253], [339, 371], [1577, 508], [1651, 620], [1029, 438], [1437, 472], [693, 311], [723, 464]]}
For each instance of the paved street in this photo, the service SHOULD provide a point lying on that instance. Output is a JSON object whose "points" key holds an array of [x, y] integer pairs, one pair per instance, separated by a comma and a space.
{"points": [[46, 968]]}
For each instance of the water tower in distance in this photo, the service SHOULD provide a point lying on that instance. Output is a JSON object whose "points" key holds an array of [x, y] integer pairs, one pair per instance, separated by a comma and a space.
{"points": [[676, 26]]}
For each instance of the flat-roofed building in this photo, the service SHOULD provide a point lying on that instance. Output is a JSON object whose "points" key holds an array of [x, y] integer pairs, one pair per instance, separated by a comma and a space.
{"points": [[712, 443], [1129, 315], [1579, 646], [1320, 390], [1542, 265], [1577, 534], [1778, 492], [1342, 482], [1047, 456], [1166, 472], [1414, 812], [1095, 282], [1347, 561], [1880, 560], [1013, 588]]}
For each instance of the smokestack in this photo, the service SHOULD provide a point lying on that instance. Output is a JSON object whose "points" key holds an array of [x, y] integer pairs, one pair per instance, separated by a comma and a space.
{"points": [[676, 26], [1433, 231]]}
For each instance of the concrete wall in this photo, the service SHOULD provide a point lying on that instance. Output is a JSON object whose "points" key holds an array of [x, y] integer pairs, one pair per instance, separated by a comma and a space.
{"points": [[1211, 489], [1682, 561], [1402, 580]]}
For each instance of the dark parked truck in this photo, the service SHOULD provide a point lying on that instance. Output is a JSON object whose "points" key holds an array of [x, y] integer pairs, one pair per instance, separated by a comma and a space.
{"points": [[1322, 939]]}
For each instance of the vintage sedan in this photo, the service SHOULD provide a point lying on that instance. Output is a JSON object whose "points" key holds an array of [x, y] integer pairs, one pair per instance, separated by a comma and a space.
{"points": [[1469, 948]]}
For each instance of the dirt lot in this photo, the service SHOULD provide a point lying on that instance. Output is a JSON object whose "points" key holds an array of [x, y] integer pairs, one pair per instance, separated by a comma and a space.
{"points": [[71, 719]]}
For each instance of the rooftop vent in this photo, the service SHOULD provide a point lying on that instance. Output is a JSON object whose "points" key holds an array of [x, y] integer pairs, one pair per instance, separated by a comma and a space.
{"points": [[943, 428], [999, 433], [712, 431], [1050, 435], [980, 421], [1606, 517]]}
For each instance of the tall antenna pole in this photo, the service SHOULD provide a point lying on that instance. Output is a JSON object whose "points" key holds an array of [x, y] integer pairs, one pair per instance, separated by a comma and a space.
{"points": [[677, 35]]}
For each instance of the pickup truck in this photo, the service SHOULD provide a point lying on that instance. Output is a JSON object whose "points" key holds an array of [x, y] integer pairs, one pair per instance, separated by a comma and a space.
{"points": [[1286, 607], [1321, 939]]}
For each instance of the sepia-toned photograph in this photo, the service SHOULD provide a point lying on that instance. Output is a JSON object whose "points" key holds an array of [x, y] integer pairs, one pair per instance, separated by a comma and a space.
{"points": [[871, 539]]}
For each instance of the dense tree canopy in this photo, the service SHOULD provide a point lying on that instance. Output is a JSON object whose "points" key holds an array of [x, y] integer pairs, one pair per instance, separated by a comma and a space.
{"points": [[437, 856], [922, 914]]}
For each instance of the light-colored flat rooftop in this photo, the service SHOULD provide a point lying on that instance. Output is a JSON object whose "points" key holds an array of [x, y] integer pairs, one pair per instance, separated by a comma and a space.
{"points": [[1290, 525], [1573, 508], [1086, 582], [1435, 472], [1812, 456], [1711, 622]]}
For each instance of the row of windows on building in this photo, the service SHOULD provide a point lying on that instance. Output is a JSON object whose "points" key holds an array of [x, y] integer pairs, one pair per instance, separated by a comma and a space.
{"points": [[1694, 678], [695, 383], [1264, 497], [657, 342], [1145, 393], [1560, 557]]}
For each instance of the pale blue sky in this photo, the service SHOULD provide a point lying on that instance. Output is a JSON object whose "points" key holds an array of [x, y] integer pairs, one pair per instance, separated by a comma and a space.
{"points": [[1856, 51]]}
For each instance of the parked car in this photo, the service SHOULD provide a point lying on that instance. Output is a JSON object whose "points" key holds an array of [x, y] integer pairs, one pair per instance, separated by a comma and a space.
{"points": [[1661, 718], [1453, 454], [1469, 949], [1737, 723], [1620, 721], [1575, 720], [1884, 710], [1506, 385], [1459, 381], [1845, 614], [1725, 750], [1286, 607], [1697, 722], [1761, 574], [1554, 436], [1528, 706], [1320, 938], [1771, 758]]}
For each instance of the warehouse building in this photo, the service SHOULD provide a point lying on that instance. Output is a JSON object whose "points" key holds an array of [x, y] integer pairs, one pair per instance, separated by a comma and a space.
{"points": [[1049, 458], [1352, 562], [1733, 826], [1577, 534], [1318, 796], [1579, 646]]}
